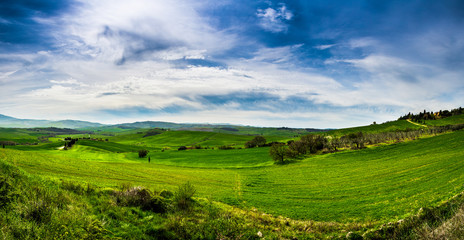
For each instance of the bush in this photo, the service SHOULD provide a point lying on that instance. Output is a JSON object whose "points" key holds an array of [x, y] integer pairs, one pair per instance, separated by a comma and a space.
{"points": [[225, 147], [181, 148], [258, 141], [143, 153], [143, 198], [183, 196], [250, 144], [166, 194]]}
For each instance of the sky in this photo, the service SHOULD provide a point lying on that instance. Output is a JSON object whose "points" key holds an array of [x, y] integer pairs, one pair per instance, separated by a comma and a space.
{"points": [[307, 64]]}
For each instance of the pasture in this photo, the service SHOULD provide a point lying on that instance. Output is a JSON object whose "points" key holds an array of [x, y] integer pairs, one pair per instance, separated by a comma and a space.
{"points": [[376, 184]]}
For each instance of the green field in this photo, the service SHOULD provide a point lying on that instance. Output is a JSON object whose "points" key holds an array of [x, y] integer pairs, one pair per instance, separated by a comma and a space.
{"points": [[399, 125], [374, 184], [175, 139], [458, 119], [349, 190]]}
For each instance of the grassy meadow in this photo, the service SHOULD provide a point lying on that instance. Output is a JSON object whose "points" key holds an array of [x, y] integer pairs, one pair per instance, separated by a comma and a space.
{"points": [[368, 187]]}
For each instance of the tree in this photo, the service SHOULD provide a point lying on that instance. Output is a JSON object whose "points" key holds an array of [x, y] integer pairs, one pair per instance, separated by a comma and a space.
{"points": [[250, 144], [334, 144], [143, 153], [278, 152], [357, 138], [313, 143], [258, 141], [298, 147]]}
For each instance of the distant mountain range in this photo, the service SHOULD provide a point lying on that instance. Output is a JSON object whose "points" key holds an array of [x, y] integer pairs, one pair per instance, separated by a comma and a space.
{"points": [[11, 122]]}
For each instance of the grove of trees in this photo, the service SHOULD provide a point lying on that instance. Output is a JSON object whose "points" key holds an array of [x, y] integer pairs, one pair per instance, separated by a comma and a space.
{"points": [[313, 143], [422, 116], [258, 141]]}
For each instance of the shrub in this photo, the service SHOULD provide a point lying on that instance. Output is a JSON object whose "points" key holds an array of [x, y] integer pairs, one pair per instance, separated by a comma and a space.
{"points": [[181, 148], [157, 204], [143, 198], [183, 196], [258, 141], [250, 144], [225, 147], [38, 210], [143, 153], [135, 196], [166, 194], [95, 230]]}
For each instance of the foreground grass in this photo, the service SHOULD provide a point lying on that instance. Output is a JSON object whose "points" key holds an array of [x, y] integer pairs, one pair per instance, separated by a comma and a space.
{"points": [[373, 185], [34, 208]]}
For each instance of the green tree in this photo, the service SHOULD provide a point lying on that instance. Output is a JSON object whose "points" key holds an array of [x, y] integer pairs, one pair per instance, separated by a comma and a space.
{"points": [[260, 141], [278, 152], [257, 141], [143, 153]]}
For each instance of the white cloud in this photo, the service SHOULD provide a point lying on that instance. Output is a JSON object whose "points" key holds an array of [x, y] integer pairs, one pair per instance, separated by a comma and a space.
{"points": [[323, 47], [363, 42], [113, 30], [81, 79], [275, 20], [407, 85], [276, 54]]}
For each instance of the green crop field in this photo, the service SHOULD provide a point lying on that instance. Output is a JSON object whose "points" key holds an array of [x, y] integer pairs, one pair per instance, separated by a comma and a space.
{"points": [[175, 139], [371, 185], [458, 119], [398, 125]]}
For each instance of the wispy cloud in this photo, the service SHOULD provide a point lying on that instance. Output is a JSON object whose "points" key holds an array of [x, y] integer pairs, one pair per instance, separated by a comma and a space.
{"points": [[275, 19], [298, 63]]}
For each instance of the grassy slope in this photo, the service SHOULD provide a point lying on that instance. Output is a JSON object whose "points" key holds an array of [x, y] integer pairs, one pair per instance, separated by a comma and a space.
{"points": [[459, 119], [380, 183], [376, 183], [175, 139], [17, 135], [34, 208], [377, 128]]}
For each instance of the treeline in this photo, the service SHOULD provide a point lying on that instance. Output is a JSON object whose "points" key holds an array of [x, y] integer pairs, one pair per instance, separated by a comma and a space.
{"points": [[69, 142], [422, 116], [311, 144]]}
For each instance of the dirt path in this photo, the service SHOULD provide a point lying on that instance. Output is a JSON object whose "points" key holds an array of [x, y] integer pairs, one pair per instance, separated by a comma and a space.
{"points": [[418, 124]]}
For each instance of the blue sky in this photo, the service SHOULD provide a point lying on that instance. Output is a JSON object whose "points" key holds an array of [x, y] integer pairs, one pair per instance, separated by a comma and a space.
{"points": [[321, 64]]}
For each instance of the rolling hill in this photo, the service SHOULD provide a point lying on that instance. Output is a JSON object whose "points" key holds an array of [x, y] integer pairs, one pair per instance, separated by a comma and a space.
{"points": [[11, 122]]}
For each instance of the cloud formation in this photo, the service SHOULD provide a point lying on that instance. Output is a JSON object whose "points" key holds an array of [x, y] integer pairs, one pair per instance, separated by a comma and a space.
{"points": [[275, 20], [298, 64]]}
